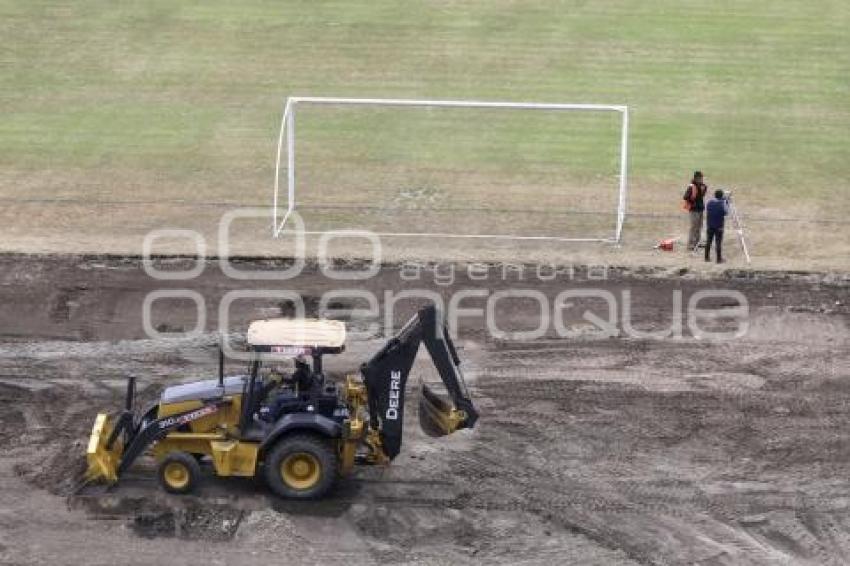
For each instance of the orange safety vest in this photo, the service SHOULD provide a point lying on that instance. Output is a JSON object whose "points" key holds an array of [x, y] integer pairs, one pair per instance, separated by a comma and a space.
{"points": [[691, 195]]}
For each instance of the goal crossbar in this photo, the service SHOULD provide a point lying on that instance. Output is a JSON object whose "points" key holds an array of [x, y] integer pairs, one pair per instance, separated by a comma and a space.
{"points": [[286, 138]]}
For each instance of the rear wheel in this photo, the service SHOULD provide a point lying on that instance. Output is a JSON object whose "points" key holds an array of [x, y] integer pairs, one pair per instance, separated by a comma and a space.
{"points": [[179, 472], [301, 466]]}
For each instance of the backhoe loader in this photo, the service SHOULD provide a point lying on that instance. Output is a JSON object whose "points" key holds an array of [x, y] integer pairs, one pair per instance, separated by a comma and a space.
{"points": [[300, 431]]}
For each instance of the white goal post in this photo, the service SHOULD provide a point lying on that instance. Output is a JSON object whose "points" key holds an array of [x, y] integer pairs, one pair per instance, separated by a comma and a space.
{"points": [[286, 138]]}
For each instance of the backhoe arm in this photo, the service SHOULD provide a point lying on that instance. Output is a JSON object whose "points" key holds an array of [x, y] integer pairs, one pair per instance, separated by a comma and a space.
{"points": [[386, 373]]}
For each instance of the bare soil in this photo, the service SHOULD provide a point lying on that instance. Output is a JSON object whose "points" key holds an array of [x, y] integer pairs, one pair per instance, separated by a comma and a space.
{"points": [[590, 450]]}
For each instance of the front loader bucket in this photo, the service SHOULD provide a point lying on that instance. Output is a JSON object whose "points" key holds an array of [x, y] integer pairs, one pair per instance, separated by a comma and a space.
{"points": [[103, 461], [437, 416]]}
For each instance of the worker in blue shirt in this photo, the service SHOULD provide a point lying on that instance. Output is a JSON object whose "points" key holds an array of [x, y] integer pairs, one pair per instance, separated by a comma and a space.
{"points": [[715, 212]]}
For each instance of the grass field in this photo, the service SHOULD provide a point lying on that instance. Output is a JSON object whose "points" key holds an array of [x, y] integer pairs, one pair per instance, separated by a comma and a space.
{"points": [[154, 114]]}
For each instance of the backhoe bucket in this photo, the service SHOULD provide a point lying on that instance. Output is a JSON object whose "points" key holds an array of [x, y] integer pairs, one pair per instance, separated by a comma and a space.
{"points": [[437, 416], [103, 461]]}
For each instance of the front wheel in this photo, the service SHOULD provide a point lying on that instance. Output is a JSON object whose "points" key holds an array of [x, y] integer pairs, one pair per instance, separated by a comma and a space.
{"points": [[179, 472], [301, 466]]}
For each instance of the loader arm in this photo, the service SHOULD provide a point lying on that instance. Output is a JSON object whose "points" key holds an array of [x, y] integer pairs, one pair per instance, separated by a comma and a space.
{"points": [[115, 445], [385, 376]]}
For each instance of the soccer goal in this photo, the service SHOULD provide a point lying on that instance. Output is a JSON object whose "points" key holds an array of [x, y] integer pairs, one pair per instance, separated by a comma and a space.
{"points": [[284, 201]]}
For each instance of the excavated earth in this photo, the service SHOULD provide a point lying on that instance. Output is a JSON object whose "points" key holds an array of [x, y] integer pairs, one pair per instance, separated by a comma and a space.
{"points": [[591, 449]]}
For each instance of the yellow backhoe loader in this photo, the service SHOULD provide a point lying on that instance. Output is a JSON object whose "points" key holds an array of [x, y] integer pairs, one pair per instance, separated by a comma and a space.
{"points": [[301, 431]]}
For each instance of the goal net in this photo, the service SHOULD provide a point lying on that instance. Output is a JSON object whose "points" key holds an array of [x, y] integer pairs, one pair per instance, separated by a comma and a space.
{"points": [[455, 169]]}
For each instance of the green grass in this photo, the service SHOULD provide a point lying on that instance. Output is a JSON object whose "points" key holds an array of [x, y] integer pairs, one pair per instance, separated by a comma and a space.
{"points": [[165, 97]]}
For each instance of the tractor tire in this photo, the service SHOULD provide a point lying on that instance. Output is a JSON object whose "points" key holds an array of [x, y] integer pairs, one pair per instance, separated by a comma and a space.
{"points": [[179, 472], [301, 466]]}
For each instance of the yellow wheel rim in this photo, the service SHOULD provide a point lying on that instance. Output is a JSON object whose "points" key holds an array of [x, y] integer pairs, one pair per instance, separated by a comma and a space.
{"points": [[300, 470], [176, 475]]}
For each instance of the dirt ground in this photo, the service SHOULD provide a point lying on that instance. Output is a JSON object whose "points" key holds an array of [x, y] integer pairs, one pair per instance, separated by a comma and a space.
{"points": [[590, 449]]}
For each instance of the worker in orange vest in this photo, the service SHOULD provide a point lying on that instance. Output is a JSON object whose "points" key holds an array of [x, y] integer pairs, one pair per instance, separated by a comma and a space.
{"points": [[694, 203]]}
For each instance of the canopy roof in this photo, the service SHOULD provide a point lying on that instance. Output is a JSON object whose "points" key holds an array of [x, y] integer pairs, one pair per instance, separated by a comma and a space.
{"points": [[296, 336]]}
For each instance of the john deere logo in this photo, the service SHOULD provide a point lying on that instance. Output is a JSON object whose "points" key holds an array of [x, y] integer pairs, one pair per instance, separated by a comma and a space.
{"points": [[395, 392]]}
